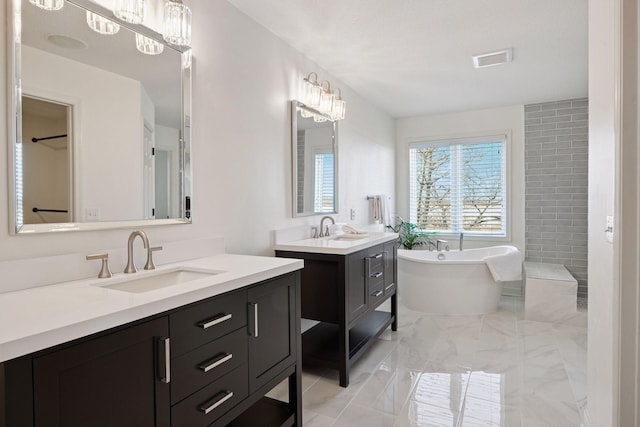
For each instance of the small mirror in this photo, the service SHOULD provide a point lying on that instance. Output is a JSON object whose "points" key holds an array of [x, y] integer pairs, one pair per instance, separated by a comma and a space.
{"points": [[100, 130], [315, 161]]}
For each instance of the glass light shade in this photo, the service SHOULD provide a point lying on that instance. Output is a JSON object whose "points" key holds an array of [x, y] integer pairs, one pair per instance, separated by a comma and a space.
{"points": [[101, 25], [339, 109], [312, 93], [319, 119], [326, 102], [148, 46], [131, 11], [186, 59], [177, 24], [304, 113], [48, 4]]}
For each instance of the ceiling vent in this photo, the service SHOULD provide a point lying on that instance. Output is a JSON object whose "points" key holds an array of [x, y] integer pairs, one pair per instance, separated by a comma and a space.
{"points": [[493, 58]]}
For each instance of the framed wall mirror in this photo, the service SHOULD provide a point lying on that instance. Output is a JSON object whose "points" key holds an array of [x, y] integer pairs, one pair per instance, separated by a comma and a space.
{"points": [[99, 126], [314, 153]]}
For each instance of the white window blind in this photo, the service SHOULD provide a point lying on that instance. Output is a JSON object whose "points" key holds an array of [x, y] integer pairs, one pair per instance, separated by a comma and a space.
{"points": [[459, 186], [323, 182]]}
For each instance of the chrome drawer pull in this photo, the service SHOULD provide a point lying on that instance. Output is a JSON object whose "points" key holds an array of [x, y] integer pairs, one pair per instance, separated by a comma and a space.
{"points": [[377, 294], [164, 359], [390, 286], [376, 256], [209, 323], [213, 363], [208, 407], [376, 275]]}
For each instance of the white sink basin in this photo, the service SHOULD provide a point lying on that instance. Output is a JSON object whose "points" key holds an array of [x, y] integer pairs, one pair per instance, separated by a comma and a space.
{"points": [[350, 237], [157, 280]]}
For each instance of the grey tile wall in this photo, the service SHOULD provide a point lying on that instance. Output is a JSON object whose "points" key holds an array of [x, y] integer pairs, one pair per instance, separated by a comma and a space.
{"points": [[556, 175]]}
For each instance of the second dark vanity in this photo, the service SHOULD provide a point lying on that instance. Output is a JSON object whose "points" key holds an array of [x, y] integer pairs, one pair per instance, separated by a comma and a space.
{"points": [[343, 288]]}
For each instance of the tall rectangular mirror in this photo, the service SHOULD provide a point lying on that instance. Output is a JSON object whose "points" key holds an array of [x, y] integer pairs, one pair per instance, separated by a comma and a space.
{"points": [[99, 130], [314, 153]]}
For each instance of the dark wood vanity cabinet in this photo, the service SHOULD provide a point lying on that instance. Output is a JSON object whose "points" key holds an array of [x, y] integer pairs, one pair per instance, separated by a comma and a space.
{"points": [[342, 292], [208, 363], [109, 381]]}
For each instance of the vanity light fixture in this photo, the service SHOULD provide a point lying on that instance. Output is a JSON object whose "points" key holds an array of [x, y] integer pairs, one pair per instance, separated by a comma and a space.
{"points": [[312, 91], [101, 25], [326, 98], [148, 46], [131, 11], [177, 23], [320, 97], [48, 4], [339, 106]]}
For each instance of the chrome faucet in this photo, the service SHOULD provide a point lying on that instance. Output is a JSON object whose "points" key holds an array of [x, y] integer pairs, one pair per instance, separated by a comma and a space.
{"points": [[131, 266], [439, 242], [322, 232]]}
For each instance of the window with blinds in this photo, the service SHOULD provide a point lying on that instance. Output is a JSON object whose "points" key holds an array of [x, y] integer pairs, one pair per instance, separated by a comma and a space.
{"points": [[459, 186], [323, 183]]}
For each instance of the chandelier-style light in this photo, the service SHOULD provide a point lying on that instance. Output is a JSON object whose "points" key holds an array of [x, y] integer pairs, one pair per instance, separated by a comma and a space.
{"points": [[148, 46], [131, 11], [177, 23], [339, 107], [48, 4], [320, 97], [101, 25], [312, 91]]}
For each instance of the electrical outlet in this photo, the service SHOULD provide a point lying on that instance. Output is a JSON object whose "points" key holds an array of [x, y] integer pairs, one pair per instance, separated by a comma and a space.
{"points": [[352, 214], [609, 229], [92, 214]]}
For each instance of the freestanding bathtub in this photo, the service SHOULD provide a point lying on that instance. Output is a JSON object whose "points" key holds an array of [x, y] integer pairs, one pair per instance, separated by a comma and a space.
{"points": [[458, 283]]}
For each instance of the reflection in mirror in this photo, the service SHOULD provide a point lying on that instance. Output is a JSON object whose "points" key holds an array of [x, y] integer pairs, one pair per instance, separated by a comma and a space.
{"points": [[110, 123], [315, 161]]}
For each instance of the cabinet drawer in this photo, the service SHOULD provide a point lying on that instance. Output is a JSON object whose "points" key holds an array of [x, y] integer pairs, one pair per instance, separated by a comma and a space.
{"points": [[204, 322], [376, 290], [205, 406], [194, 370]]}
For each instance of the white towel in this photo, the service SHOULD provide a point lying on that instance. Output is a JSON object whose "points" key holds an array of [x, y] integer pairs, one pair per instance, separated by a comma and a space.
{"points": [[505, 267], [386, 210]]}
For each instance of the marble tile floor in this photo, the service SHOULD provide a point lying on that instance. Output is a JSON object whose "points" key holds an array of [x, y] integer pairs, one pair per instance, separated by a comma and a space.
{"points": [[492, 370]]}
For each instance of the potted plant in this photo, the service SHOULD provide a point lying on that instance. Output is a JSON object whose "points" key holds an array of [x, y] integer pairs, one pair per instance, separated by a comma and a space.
{"points": [[410, 236]]}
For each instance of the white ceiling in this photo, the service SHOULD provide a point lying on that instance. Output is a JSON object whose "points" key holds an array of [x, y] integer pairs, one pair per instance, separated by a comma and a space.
{"points": [[413, 57]]}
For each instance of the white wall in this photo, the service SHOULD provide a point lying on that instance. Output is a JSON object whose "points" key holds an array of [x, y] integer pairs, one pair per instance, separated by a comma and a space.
{"points": [[243, 78], [603, 289], [109, 181], [463, 124]]}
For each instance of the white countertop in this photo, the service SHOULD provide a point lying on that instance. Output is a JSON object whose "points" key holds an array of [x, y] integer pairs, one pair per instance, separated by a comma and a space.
{"points": [[338, 245], [38, 318]]}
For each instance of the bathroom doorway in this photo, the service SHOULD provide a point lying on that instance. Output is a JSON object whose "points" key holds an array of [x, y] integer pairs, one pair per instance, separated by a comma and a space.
{"points": [[46, 162]]}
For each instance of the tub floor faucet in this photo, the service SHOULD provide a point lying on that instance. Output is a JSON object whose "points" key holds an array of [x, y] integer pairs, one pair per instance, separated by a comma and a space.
{"points": [[461, 239]]}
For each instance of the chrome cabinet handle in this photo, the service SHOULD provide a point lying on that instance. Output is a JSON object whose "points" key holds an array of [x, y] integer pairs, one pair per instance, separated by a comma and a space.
{"points": [[215, 362], [391, 285], [215, 402], [378, 256], [216, 320], [377, 294], [253, 313], [376, 275], [164, 362]]}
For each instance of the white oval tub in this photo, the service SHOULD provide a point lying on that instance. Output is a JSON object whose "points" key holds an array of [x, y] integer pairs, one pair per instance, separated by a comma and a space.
{"points": [[461, 283]]}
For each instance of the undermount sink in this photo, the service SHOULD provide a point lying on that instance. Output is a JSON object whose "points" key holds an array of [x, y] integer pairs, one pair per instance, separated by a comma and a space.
{"points": [[350, 237], [158, 280]]}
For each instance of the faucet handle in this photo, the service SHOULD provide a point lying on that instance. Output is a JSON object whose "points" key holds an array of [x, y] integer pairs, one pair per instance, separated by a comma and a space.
{"points": [[105, 272], [150, 265]]}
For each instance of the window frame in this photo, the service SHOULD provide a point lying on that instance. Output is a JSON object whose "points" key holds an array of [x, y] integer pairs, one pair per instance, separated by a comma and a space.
{"points": [[471, 138]]}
